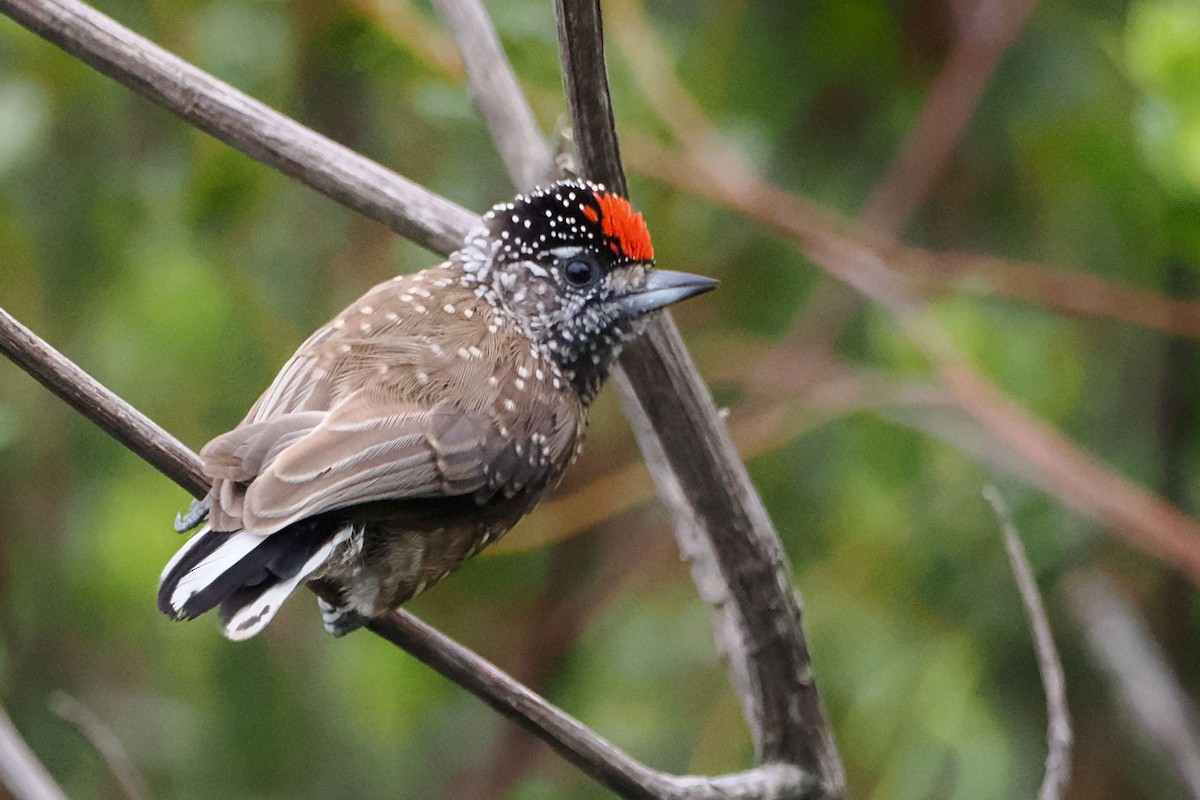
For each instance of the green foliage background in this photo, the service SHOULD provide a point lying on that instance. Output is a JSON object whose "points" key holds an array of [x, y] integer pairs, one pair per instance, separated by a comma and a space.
{"points": [[182, 274]]}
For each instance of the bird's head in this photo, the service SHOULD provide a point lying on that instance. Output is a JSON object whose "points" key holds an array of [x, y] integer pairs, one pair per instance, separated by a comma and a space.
{"points": [[572, 264]]}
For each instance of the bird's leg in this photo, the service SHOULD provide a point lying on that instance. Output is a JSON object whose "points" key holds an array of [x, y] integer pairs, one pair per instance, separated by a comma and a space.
{"points": [[340, 620], [197, 512]]}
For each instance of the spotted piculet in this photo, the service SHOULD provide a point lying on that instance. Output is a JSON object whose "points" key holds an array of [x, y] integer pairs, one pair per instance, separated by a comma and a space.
{"points": [[425, 420]]}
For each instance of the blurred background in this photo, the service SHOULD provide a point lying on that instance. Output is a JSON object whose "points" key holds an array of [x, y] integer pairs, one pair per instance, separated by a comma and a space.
{"points": [[1040, 163]]}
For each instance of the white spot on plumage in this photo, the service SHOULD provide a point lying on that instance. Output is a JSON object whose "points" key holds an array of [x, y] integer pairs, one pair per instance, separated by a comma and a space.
{"points": [[367, 310]]}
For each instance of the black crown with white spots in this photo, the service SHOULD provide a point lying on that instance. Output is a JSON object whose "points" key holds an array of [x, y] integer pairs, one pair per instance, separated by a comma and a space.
{"points": [[561, 262]]}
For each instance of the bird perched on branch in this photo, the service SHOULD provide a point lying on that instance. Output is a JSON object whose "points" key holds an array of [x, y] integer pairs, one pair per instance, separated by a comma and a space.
{"points": [[423, 421]]}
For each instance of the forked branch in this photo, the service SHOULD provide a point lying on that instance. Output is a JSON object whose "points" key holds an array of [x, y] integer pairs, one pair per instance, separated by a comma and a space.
{"points": [[788, 718]]}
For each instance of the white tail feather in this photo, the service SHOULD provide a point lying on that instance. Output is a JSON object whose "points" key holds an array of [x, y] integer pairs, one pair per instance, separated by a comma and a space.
{"points": [[254, 616], [211, 568], [175, 559]]}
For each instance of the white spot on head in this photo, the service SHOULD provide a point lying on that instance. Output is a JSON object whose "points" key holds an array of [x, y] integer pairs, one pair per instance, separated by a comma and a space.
{"points": [[367, 310], [448, 308]]}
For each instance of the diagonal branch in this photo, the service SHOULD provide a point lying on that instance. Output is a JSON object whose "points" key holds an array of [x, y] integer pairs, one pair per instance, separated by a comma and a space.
{"points": [[991, 28], [265, 134], [494, 87], [704, 482], [1138, 672], [1145, 521], [21, 774], [592, 753], [241, 121], [110, 413]]}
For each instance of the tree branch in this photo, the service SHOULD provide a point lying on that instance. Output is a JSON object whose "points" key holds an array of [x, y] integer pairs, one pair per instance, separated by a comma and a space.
{"points": [[107, 744], [110, 413], [1058, 720], [241, 121], [1139, 673], [793, 721], [1145, 521], [20, 771], [991, 28], [590, 752], [699, 473], [497, 94]]}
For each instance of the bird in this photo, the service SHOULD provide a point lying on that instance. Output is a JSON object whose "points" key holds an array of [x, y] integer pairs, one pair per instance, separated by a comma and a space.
{"points": [[425, 420]]}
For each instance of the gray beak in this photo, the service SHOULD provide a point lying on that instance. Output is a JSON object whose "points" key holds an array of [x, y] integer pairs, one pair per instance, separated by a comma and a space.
{"points": [[663, 288]]}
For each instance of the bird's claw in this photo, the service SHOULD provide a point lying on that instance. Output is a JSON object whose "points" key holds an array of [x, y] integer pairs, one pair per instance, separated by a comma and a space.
{"points": [[340, 620], [197, 512]]}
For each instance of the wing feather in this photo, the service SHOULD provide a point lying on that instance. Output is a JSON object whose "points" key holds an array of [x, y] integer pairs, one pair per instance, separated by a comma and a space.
{"points": [[361, 453]]}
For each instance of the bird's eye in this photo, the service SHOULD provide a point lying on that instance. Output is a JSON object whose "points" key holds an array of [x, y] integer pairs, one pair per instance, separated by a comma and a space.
{"points": [[581, 273]]}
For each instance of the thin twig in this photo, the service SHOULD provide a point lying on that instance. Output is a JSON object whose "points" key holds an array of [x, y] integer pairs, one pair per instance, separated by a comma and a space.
{"points": [[20, 771], [699, 473], [497, 93], [241, 121], [990, 30], [1139, 673], [1058, 724], [105, 741]]}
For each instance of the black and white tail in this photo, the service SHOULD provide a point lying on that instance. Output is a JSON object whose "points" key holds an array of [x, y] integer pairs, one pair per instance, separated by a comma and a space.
{"points": [[245, 576]]}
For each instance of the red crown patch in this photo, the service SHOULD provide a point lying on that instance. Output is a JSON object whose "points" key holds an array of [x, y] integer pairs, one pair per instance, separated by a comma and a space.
{"points": [[625, 227]]}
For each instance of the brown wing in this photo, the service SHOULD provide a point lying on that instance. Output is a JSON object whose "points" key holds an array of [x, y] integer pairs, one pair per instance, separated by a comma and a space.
{"points": [[362, 452], [381, 405]]}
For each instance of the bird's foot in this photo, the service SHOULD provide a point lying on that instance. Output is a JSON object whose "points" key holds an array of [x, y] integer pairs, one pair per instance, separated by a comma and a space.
{"points": [[197, 512], [340, 620]]}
